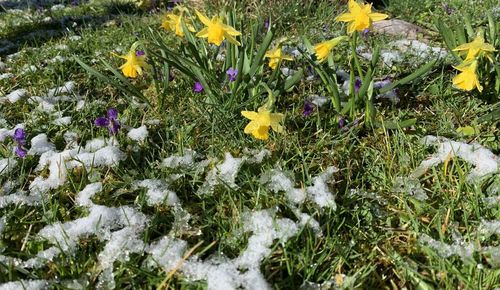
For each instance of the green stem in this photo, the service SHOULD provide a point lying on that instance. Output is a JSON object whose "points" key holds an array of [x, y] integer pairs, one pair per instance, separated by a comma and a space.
{"points": [[354, 55]]}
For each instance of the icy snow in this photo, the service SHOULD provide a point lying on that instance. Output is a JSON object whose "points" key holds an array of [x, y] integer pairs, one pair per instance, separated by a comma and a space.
{"points": [[5, 76], [13, 96], [176, 161], [7, 165], [138, 134], [158, 192], [40, 145], [224, 173], [67, 88], [63, 121], [484, 161], [25, 284]]}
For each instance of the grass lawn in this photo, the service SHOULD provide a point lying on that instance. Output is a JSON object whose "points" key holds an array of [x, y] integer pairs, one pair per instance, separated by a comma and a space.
{"points": [[147, 182]]}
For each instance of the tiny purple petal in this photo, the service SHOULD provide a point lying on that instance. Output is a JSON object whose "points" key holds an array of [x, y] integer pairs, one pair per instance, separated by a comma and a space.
{"points": [[357, 85], [341, 122], [198, 87], [308, 109], [139, 52], [20, 152], [171, 77], [114, 127], [232, 73], [266, 24], [112, 114], [19, 135], [101, 122]]}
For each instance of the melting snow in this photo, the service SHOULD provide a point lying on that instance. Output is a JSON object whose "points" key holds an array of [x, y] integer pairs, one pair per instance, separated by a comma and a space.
{"points": [[484, 161], [138, 134]]}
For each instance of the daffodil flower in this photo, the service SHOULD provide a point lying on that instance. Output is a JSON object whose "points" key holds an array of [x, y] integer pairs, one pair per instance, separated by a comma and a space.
{"points": [[323, 49], [173, 22], [360, 16], [216, 31], [260, 122], [467, 78], [275, 56], [135, 63], [476, 47]]}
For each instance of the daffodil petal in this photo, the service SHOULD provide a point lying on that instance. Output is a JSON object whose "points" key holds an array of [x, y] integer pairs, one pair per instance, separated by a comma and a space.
{"points": [[377, 16], [250, 115], [203, 18]]}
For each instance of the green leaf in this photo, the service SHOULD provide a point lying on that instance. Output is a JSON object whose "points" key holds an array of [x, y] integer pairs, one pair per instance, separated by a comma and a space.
{"points": [[290, 82], [411, 77], [491, 117], [393, 125], [468, 131], [259, 57]]}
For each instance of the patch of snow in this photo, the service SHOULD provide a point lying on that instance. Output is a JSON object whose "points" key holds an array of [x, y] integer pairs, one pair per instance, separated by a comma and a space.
{"points": [[158, 192], [176, 161], [67, 88], [63, 121], [138, 134], [5, 76], [40, 145], [14, 96], [224, 173], [7, 165], [484, 161], [25, 284]]}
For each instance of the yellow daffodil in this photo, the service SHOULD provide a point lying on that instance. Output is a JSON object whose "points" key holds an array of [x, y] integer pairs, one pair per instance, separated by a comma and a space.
{"points": [[173, 22], [323, 49], [260, 122], [135, 63], [275, 56], [476, 48], [467, 78], [360, 16], [216, 31]]}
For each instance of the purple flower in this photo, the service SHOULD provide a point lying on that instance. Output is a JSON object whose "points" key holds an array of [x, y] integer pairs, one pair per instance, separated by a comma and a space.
{"points": [[341, 122], [20, 151], [365, 33], [357, 85], [266, 24], [139, 52], [308, 109], [232, 73], [198, 87], [111, 121], [19, 136], [448, 9]]}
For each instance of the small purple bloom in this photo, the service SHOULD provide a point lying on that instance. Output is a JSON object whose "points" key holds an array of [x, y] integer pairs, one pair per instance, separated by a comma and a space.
{"points": [[341, 122], [266, 24], [308, 109], [357, 85], [365, 33], [111, 121], [19, 136], [198, 87], [20, 151], [101, 122], [112, 114], [74, 2], [232, 73], [139, 52]]}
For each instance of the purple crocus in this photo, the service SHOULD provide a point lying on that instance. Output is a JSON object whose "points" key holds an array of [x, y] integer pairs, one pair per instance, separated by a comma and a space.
{"points": [[365, 33], [139, 52], [341, 122], [198, 87], [111, 121], [20, 138], [231, 74], [308, 109]]}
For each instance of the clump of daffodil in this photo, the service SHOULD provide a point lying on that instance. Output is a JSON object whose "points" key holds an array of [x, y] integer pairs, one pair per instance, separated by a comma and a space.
{"points": [[135, 62], [476, 48], [360, 16], [173, 21], [261, 121], [275, 56], [216, 31], [467, 78], [323, 49]]}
